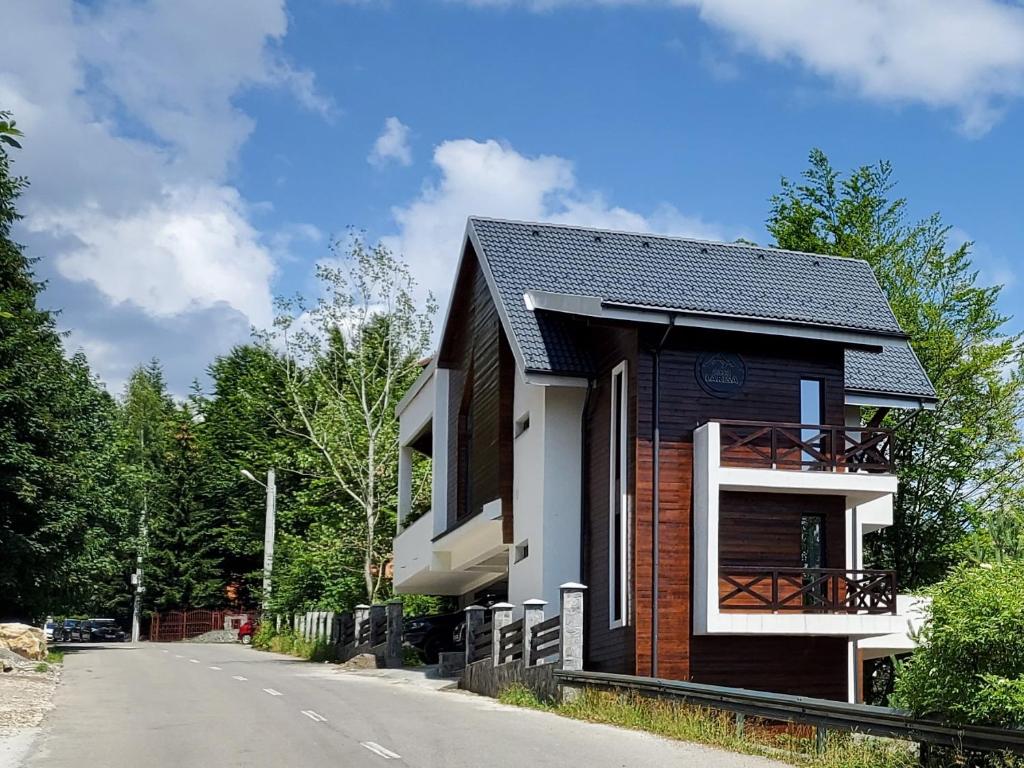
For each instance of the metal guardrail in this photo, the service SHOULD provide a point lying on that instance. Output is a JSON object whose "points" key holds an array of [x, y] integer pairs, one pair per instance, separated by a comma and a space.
{"points": [[823, 713]]}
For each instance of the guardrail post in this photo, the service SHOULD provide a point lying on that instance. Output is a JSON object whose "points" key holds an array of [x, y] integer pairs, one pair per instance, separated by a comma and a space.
{"points": [[393, 654], [378, 623], [570, 635], [474, 620], [501, 616], [362, 618], [533, 614]]}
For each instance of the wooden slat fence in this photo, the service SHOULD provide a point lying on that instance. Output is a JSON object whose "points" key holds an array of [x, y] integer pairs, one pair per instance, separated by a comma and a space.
{"points": [[510, 642], [544, 644]]}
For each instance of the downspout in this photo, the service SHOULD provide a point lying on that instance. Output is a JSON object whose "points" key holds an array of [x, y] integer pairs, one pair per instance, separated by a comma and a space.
{"points": [[584, 476], [656, 494]]}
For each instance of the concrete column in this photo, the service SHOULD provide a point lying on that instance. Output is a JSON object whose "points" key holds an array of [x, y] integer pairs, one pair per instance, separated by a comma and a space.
{"points": [[378, 623], [295, 623], [362, 616], [310, 619], [329, 636], [533, 614], [474, 623], [277, 624], [571, 632], [501, 616], [404, 485], [393, 654]]}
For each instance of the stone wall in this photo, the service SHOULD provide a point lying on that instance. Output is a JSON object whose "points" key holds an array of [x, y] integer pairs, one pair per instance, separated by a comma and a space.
{"points": [[484, 678]]}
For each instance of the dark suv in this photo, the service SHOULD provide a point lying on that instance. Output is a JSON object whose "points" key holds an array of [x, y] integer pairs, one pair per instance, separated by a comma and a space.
{"points": [[72, 630], [102, 631]]}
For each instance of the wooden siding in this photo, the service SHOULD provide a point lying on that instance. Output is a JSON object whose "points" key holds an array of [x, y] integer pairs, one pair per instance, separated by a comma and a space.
{"points": [[481, 370], [800, 665], [771, 392], [607, 650]]}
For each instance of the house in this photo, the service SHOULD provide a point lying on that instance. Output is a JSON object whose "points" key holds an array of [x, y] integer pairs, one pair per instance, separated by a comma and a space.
{"points": [[679, 425]]}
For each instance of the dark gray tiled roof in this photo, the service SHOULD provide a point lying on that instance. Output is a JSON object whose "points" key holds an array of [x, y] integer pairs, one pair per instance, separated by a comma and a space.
{"points": [[672, 273], [894, 370]]}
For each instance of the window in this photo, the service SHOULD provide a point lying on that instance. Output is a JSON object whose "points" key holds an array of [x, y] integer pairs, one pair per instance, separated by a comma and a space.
{"points": [[522, 424], [811, 413], [618, 521], [522, 551]]}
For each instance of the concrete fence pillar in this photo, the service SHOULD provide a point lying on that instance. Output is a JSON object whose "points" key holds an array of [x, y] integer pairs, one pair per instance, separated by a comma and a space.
{"points": [[570, 636], [362, 618], [322, 627], [533, 614], [474, 623], [378, 623], [277, 624], [329, 627], [295, 623], [310, 620], [501, 616], [393, 654]]}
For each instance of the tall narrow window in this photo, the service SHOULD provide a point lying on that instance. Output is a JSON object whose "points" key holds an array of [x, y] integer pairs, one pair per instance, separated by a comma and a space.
{"points": [[811, 413], [812, 558], [618, 518]]}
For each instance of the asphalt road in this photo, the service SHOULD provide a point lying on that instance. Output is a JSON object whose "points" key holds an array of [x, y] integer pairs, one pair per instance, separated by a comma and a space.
{"points": [[178, 705]]}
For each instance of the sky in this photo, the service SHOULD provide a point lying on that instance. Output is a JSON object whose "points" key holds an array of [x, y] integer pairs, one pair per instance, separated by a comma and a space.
{"points": [[189, 160]]}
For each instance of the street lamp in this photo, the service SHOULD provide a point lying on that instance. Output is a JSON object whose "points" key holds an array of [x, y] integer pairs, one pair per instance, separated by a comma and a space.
{"points": [[268, 530]]}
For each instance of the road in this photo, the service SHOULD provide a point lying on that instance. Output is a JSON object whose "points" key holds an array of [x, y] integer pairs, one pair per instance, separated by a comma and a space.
{"points": [[179, 705]]}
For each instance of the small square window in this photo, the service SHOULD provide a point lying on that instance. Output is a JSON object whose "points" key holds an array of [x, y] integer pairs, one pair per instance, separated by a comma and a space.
{"points": [[522, 551], [522, 424]]}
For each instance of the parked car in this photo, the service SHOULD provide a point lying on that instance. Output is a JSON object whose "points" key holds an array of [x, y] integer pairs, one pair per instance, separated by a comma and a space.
{"points": [[52, 631], [246, 631], [102, 631], [432, 635], [71, 630]]}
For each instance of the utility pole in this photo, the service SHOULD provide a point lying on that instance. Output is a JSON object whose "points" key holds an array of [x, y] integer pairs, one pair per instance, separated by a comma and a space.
{"points": [[137, 576], [268, 537], [268, 530]]}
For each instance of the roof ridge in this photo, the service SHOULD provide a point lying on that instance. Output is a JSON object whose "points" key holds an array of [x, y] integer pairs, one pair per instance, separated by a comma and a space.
{"points": [[686, 238]]}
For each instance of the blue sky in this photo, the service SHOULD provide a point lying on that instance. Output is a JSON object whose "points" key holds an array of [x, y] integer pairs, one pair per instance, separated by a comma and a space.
{"points": [[189, 160]]}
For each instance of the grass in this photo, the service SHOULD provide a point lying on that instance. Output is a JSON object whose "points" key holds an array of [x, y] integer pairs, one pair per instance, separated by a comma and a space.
{"points": [[42, 666], [794, 744], [55, 657]]}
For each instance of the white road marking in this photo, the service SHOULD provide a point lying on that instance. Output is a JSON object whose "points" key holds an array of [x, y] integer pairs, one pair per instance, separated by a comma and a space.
{"points": [[239, 677], [178, 656], [194, 661], [384, 752], [315, 716], [166, 651], [215, 668], [272, 692]]}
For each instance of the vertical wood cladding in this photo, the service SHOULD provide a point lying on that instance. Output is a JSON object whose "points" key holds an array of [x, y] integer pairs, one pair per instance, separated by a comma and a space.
{"points": [[608, 650], [479, 401], [771, 392]]}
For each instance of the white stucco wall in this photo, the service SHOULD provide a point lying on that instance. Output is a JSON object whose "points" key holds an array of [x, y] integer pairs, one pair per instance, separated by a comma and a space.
{"points": [[546, 492]]}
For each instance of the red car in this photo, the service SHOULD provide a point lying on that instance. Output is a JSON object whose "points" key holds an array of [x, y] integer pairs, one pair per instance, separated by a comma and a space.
{"points": [[246, 631]]}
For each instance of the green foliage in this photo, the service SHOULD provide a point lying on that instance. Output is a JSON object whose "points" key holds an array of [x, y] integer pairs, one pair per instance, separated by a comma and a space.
{"points": [[969, 667], [263, 637], [960, 461], [55, 657], [675, 720]]}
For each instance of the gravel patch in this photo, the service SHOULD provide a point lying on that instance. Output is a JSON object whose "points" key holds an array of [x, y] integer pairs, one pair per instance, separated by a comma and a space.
{"points": [[25, 698], [215, 636]]}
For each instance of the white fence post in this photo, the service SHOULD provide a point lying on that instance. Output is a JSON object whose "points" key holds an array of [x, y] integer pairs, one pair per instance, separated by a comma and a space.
{"points": [[501, 616], [533, 614]]}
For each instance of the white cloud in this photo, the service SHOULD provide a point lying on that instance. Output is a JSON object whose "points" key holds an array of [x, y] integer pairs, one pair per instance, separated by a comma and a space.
{"points": [[131, 132], [490, 178], [392, 144], [967, 55]]}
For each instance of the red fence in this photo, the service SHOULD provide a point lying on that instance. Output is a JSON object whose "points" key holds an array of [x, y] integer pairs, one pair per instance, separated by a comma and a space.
{"points": [[171, 626]]}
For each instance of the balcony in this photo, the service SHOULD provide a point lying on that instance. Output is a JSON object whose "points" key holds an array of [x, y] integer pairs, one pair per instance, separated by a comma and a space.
{"points": [[816, 447], [806, 590]]}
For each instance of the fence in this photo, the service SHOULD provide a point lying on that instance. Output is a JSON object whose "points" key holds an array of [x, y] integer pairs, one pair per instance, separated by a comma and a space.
{"points": [[821, 713], [371, 629], [172, 626], [500, 651]]}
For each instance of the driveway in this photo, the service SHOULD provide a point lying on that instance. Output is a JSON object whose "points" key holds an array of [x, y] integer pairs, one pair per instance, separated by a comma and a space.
{"points": [[177, 705]]}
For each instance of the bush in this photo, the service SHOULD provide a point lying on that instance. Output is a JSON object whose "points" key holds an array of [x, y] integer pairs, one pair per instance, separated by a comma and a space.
{"points": [[969, 666], [263, 636]]}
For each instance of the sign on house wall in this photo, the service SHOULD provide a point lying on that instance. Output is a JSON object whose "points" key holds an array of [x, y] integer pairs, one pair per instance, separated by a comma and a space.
{"points": [[721, 374]]}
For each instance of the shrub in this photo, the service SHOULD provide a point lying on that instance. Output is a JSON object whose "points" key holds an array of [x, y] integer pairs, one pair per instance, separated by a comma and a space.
{"points": [[263, 636], [969, 666]]}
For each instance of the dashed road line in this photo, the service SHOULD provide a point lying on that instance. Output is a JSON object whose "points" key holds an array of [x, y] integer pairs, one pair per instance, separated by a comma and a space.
{"points": [[315, 716], [239, 677], [216, 669], [178, 656], [194, 661], [272, 692], [377, 749]]}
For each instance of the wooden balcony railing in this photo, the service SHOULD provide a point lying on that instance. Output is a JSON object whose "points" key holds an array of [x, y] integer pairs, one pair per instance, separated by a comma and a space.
{"points": [[772, 445], [806, 590]]}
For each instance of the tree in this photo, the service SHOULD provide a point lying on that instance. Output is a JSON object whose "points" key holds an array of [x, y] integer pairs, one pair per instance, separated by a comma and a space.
{"points": [[969, 665], [959, 462], [346, 362]]}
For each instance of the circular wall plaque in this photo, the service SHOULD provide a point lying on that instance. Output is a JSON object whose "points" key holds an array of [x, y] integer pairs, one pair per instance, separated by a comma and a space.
{"points": [[721, 374]]}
